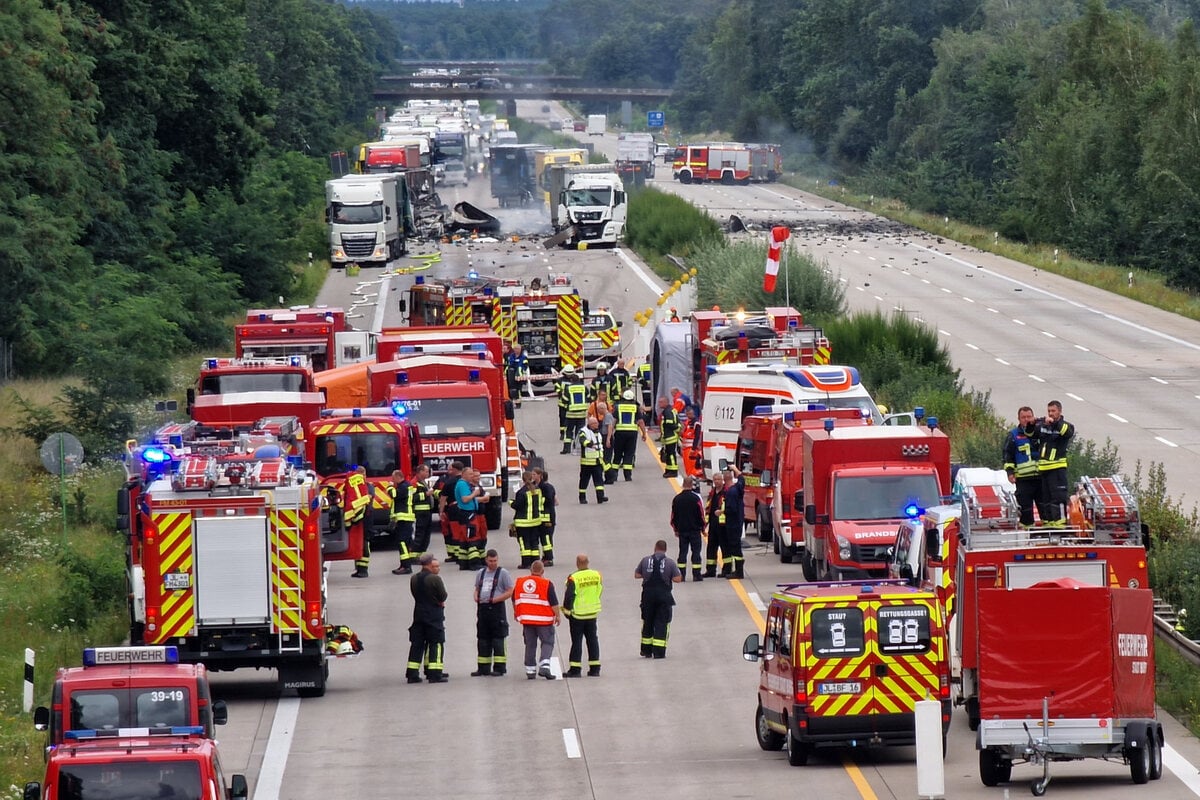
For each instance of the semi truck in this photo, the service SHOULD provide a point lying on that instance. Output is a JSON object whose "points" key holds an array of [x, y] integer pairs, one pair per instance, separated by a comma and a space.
{"points": [[589, 206], [513, 171], [366, 216], [635, 154], [860, 482]]}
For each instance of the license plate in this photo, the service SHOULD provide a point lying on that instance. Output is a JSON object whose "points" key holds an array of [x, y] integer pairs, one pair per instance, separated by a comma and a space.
{"points": [[846, 687], [177, 580]]}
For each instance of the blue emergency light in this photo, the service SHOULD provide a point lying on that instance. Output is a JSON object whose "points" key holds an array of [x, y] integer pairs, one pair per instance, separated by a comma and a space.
{"points": [[103, 656], [402, 378], [793, 322], [483, 356], [156, 455], [919, 413], [212, 363], [479, 346], [356, 412], [420, 280], [487, 291], [472, 274], [175, 730], [473, 376], [912, 511], [295, 360], [407, 348], [399, 409], [931, 422], [263, 318], [828, 422]]}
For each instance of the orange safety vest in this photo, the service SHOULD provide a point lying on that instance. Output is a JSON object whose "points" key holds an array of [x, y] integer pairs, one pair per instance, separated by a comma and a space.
{"points": [[531, 601]]}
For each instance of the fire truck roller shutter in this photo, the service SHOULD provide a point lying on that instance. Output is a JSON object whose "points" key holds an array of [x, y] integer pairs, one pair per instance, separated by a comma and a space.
{"points": [[759, 335]]}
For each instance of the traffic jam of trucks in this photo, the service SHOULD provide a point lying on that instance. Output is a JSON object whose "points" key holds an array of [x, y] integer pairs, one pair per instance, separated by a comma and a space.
{"points": [[913, 570]]}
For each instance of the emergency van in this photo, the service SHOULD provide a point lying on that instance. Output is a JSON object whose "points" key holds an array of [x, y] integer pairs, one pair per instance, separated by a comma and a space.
{"points": [[845, 664], [135, 764], [735, 391], [601, 335], [130, 687]]}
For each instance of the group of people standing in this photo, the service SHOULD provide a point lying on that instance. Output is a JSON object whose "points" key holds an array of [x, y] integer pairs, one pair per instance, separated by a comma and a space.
{"points": [[722, 516], [1035, 458]]}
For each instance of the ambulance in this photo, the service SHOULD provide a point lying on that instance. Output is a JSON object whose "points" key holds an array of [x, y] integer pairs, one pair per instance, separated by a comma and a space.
{"points": [[735, 391], [844, 664]]}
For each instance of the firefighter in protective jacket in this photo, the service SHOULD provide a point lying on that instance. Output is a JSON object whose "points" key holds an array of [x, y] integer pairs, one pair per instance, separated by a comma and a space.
{"points": [[357, 496]]}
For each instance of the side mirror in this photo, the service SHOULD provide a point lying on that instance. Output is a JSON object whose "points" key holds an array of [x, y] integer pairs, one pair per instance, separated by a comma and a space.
{"points": [[327, 215], [387, 213], [41, 718], [798, 501], [238, 790], [1146, 536], [509, 410], [933, 547], [751, 649], [191, 401], [906, 571], [810, 514], [620, 322], [220, 712]]}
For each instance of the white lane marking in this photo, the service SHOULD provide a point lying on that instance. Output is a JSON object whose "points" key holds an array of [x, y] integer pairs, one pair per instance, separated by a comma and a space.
{"points": [[1079, 399], [1036, 378], [1053, 296], [947, 291], [969, 300], [877, 297], [1158, 380], [1167, 442], [1018, 321], [757, 601], [973, 347], [901, 309], [641, 273], [1081, 347], [1118, 418], [571, 742], [924, 281], [945, 333], [871, 258], [270, 777], [1116, 363], [841, 280], [1182, 768], [994, 311], [1048, 333], [1005, 363], [859, 288]]}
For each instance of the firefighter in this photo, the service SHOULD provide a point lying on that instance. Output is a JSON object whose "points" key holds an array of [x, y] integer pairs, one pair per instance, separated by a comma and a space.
{"points": [[516, 369], [620, 379], [581, 606], [735, 515], [668, 424], [657, 572], [527, 518], [549, 514], [601, 383], [1021, 450], [448, 510], [472, 519], [591, 461], [715, 511], [493, 587], [576, 413], [422, 508], [564, 401], [690, 443], [645, 382], [1054, 435], [403, 520], [628, 416], [357, 496], [687, 520], [427, 634]]}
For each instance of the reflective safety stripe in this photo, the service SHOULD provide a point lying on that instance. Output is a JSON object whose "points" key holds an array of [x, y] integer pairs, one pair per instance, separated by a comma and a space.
{"points": [[531, 601]]}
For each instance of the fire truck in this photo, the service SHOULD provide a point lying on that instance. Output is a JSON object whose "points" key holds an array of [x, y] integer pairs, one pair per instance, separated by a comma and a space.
{"points": [[978, 543], [766, 162], [727, 162], [845, 664], [130, 687], [545, 318], [234, 393], [461, 407], [770, 454], [224, 557], [136, 763], [859, 482], [321, 334], [374, 438]]}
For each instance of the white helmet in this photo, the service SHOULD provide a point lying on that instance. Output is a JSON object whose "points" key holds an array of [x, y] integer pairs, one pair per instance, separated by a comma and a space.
{"points": [[568, 369], [628, 395], [602, 366]]}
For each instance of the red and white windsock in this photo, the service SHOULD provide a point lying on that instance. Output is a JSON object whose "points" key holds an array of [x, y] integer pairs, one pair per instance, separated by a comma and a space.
{"points": [[779, 235]]}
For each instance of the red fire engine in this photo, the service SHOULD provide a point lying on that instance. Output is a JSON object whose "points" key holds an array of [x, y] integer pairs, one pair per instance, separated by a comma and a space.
{"points": [[727, 162], [321, 334]]}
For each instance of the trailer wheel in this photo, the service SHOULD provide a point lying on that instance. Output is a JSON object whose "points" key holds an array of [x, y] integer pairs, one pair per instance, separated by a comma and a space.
{"points": [[973, 713], [1156, 762], [1038, 788], [1139, 761], [993, 768], [768, 739], [797, 750]]}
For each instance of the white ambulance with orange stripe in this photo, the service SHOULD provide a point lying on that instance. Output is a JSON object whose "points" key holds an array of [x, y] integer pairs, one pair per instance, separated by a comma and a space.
{"points": [[224, 559], [735, 391], [845, 664]]}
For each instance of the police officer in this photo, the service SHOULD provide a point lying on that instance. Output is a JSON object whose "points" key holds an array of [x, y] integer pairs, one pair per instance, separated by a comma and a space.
{"points": [[628, 423], [493, 587], [687, 520], [403, 520], [357, 496], [422, 507], [1021, 450], [527, 518], [581, 606], [427, 634], [735, 516], [669, 437], [591, 461], [1054, 435], [576, 411], [657, 572]]}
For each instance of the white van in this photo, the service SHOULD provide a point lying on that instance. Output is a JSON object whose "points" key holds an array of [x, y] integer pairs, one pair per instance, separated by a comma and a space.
{"points": [[734, 391]]}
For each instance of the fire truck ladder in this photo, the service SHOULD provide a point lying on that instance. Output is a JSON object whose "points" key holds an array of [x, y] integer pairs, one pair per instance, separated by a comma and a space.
{"points": [[287, 596], [1109, 505]]}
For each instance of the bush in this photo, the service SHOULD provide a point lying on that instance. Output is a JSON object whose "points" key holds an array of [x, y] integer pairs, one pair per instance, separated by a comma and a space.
{"points": [[731, 276], [665, 224]]}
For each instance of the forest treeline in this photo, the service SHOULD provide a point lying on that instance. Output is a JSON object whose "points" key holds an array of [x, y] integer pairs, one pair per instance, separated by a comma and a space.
{"points": [[1070, 122], [161, 166]]}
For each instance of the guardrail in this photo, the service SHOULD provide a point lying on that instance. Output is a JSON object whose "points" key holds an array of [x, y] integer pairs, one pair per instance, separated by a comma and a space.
{"points": [[1189, 650]]}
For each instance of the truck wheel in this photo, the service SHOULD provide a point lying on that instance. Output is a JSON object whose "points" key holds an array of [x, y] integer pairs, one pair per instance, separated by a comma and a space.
{"points": [[727, 179], [973, 713], [775, 545], [808, 566], [1139, 761], [786, 555], [797, 750], [992, 768], [492, 513], [319, 689], [767, 739], [685, 177], [766, 526], [1156, 762]]}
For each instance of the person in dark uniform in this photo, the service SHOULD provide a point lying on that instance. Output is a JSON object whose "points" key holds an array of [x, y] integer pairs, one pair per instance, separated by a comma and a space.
{"points": [[427, 634], [1021, 450], [629, 424], [493, 586], [735, 516], [668, 425], [657, 572], [549, 515], [687, 520], [528, 518], [422, 512], [448, 509], [403, 520], [1054, 436], [591, 461], [715, 511]]}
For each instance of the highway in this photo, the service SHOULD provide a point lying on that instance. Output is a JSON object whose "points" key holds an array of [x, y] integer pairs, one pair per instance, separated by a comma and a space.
{"points": [[683, 727]]}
